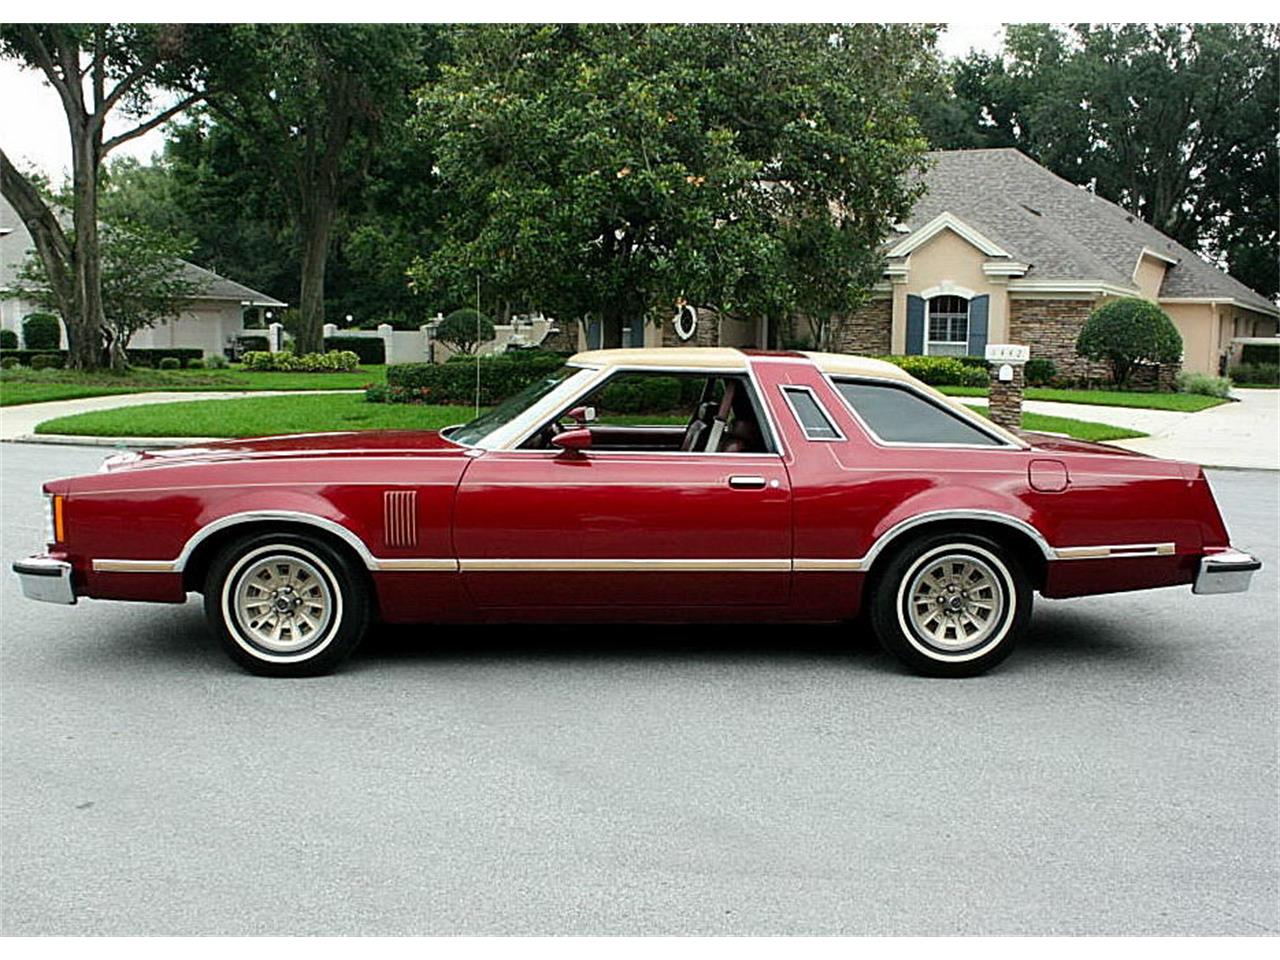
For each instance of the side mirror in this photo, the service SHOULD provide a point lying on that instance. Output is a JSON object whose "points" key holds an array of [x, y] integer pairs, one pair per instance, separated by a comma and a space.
{"points": [[572, 440], [583, 415]]}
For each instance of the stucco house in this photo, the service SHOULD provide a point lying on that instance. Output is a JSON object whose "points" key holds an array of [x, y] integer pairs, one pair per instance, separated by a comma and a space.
{"points": [[206, 322], [1000, 250]]}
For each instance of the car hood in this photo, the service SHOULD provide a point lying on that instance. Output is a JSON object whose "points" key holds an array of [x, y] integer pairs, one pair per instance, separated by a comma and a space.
{"points": [[303, 446]]}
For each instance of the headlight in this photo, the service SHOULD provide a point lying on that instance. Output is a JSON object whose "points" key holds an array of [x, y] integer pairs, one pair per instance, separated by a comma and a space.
{"points": [[53, 528]]}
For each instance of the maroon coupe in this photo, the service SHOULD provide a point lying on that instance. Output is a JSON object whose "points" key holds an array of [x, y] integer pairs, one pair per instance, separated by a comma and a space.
{"points": [[643, 485]]}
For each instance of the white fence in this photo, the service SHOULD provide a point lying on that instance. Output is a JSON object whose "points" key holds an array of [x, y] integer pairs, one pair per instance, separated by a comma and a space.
{"points": [[421, 345]]}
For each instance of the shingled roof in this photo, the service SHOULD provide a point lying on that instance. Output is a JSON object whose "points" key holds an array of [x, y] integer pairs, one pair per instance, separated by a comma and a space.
{"points": [[1061, 231]]}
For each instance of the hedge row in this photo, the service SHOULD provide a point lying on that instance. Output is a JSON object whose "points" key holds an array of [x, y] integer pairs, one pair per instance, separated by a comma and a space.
{"points": [[370, 350], [335, 361], [944, 371], [455, 383], [24, 357]]}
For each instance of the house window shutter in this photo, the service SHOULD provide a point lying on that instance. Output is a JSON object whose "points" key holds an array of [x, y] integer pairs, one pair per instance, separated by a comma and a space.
{"points": [[593, 335], [637, 333], [915, 324], [978, 310]]}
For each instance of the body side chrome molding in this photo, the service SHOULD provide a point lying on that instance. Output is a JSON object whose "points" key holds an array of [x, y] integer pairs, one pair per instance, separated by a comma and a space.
{"points": [[624, 564]]}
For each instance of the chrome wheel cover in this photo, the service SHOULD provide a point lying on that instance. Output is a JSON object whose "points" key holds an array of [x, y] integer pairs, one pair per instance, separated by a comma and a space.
{"points": [[281, 603], [956, 602]]}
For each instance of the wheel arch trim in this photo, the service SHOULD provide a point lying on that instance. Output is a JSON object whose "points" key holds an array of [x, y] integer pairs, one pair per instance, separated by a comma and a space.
{"points": [[296, 517], [885, 539]]}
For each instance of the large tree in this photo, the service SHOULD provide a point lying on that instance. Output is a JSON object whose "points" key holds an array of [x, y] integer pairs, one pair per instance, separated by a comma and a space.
{"points": [[1178, 123], [608, 170], [96, 70], [308, 105]]}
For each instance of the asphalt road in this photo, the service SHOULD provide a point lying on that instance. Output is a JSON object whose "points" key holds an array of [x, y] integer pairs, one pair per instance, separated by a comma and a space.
{"points": [[1118, 775]]}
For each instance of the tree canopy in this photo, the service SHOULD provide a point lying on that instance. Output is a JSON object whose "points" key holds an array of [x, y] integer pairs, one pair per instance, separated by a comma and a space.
{"points": [[1178, 123], [608, 170]]}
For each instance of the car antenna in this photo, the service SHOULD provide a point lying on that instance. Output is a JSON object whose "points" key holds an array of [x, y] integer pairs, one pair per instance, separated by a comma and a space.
{"points": [[477, 344]]}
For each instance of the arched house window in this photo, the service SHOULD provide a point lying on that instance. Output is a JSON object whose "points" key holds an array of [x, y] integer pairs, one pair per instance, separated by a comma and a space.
{"points": [[947, 325]]}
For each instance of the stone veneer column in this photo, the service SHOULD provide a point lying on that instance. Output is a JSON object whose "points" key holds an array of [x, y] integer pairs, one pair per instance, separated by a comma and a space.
{"points": [[1005, 404]]}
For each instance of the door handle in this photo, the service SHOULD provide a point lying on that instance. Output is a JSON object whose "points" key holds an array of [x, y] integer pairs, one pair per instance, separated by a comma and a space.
{"points": [[746, 483]]}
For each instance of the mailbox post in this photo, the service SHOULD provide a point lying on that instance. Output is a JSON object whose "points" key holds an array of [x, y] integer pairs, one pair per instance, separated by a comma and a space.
{"points": [[1006, 363]]}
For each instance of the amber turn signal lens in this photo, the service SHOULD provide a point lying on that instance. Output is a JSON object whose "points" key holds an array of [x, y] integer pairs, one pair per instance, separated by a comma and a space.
{"points": [[57, 519]]}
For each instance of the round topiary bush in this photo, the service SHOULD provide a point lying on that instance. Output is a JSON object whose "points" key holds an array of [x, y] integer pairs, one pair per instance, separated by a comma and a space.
{"points": [[1126, 332], [8, 363], [170, 363], [40, 331], [195, 363], [465, 329], [8, 340]]}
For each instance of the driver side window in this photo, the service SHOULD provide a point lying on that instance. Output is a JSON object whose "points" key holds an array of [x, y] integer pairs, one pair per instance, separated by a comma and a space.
{"points": [[671, 412]]}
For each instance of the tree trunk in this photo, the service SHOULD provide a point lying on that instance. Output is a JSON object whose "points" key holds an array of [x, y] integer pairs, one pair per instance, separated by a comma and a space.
{"points": [[86, 322], [316, 228]]}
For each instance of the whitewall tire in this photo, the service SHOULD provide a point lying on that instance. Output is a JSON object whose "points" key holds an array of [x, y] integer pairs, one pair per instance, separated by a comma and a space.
{"points": [[950, 605], [286, 605]]}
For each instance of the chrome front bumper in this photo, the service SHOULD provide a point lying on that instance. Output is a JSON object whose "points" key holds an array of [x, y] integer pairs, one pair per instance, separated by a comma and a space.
{"points": [[1226, 572], [44, 578]]}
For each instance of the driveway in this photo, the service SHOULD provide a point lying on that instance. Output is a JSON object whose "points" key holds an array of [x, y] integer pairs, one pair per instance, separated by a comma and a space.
{"points": [[19, 422], [1116, 776], [1245, 434]]}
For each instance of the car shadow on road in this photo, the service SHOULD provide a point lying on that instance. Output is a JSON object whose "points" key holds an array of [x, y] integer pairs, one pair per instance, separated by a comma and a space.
{"points": [[1060, 637]]}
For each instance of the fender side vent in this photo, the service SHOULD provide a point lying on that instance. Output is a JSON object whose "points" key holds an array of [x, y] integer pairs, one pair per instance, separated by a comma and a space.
{"points": [[400, 518]]}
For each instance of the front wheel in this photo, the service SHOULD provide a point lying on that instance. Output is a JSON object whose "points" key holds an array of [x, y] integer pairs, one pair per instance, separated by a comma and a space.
{"points": [[951, 605], [285, 605]]}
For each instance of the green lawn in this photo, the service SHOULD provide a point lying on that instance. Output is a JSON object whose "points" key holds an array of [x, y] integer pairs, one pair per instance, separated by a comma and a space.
{"points": [[1079, 429], [256, 416], [21, 385], [312, 413], [1176, 402]]}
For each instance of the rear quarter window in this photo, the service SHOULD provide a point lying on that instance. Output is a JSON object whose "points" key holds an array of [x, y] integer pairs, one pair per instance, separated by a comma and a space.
{"points": [[899, 415]]}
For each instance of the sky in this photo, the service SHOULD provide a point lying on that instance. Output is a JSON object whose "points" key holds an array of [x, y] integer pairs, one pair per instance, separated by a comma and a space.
{"points": [[33, 130]]}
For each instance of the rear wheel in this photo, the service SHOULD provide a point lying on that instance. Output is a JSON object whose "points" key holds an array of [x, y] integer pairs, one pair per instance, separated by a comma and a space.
{"points": [[285, 605], [951, 605]]}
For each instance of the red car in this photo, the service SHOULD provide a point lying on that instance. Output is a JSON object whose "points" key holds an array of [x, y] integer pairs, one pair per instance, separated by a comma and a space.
{"points": [[692, 485]]}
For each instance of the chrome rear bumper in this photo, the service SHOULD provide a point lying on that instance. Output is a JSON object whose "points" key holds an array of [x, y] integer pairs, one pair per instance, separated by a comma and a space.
{"points": [[44, 578], [1226, 572]]}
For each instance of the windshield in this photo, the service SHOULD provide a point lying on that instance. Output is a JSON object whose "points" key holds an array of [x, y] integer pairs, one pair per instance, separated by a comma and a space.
{"points": [[483, 425]]}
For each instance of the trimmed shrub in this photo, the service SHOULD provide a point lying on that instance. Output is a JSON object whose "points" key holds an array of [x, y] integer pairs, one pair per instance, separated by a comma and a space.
{"points": [[465, 329], [195, 363], [8, 340], [40, 331], [1202, 383], [48, 361], [335, 361], [445, 383], [1268, 373], [216, 361], [1040, 372], [370, 350], [1126, 332], [169, 363], [8, 363], [943, 371], [641, 394]]}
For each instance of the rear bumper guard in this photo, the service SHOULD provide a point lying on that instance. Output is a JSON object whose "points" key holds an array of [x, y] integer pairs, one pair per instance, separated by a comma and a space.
{"points": [[44, 578], [1226, 572]]}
